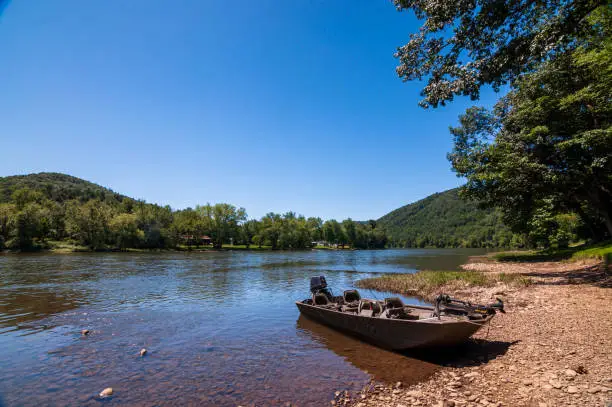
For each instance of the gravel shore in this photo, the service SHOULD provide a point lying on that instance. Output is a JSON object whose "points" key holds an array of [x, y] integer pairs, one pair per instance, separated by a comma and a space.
{"points": [[553, 347]]}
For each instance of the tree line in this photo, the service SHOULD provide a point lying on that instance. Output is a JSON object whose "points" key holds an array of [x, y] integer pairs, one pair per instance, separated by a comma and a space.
{"points": [[30, 219]]}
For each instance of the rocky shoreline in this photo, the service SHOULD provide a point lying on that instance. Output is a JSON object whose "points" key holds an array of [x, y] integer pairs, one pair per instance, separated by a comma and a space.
{"points": [[551, 348]]}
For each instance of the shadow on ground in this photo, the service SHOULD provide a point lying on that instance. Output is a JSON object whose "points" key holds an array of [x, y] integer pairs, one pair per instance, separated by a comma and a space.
{"points": [[593, 275], [536, 257], [474, 352], [553, 254]]}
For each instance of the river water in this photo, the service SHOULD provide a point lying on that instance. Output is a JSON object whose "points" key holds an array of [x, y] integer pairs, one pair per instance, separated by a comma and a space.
{"points": [[221, 328]]}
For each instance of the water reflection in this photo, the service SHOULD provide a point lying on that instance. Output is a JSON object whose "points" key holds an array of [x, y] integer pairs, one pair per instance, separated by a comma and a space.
{"points": [[382, 365], [27, 305]]}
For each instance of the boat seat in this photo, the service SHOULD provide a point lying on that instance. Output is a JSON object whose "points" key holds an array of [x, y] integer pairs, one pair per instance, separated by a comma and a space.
{"points": [[366, 313], [368, 305], [394, 309], [393, 303], [351, 296], [320, 299], [350, 308]]}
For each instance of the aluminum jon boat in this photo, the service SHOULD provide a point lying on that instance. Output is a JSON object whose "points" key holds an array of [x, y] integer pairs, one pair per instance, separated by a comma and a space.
{"points": [[391, 324]]}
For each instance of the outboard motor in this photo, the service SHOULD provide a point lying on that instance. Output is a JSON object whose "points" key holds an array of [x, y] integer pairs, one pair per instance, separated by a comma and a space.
{"points": [[318, 285]]}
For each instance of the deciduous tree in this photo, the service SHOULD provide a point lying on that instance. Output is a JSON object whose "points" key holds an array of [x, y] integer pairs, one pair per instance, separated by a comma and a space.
{"points": [[547, 145], [465, 44]]}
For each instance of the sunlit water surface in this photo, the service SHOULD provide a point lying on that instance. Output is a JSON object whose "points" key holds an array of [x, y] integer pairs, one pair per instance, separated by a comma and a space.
{"points": [[221, 328]]}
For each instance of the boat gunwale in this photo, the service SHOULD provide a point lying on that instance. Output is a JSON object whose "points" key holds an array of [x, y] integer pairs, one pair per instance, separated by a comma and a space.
{"points": [[432, 320]]}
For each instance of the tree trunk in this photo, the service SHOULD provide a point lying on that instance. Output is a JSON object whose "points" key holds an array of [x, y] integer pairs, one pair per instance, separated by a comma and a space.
{"points": [[586, 220], [608, 222], [602, 207]]}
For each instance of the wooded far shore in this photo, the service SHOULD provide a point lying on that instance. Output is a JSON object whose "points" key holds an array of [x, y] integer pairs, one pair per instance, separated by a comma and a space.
{"points": [[51, 211]]}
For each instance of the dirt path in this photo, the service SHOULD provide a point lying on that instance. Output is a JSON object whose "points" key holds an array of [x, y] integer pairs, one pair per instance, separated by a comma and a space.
{"points": [[553, 347]]}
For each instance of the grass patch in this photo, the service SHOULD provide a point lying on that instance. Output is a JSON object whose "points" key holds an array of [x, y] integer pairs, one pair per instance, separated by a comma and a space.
{"points": [[184, 247], [244, 247], [319, 247], [583, 252], [65, 246], [513, 279], [428, 284], [599, 252]]}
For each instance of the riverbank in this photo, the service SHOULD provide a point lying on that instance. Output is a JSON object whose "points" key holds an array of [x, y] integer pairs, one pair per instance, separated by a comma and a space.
{"points": [[67, 247], [551, 348]]}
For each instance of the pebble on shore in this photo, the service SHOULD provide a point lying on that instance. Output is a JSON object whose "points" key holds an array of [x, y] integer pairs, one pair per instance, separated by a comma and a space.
{"points": [[107, 392], [143, 352]]}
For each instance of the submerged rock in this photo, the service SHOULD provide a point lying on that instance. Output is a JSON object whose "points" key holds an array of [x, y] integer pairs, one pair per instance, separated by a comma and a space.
{"points": [[107, 392]]}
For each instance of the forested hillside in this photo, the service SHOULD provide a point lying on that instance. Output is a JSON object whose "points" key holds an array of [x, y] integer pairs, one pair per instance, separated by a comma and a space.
{"points": [[39, 210], [446, 220], [56, 187]]}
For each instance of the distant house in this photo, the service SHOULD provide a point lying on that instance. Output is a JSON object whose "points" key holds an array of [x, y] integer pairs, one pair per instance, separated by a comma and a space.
{"points": [[194, 240]]}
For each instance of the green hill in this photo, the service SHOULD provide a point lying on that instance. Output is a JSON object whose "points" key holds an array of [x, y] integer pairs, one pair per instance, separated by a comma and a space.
{"points": [[445, 220], [56, 187]]}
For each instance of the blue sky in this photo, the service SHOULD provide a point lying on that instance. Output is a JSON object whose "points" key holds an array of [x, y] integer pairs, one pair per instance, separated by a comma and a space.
{"points": [[270, 105]]}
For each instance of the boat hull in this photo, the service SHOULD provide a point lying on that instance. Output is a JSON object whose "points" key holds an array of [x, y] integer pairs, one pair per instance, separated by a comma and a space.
{"points": [[395, 334]]}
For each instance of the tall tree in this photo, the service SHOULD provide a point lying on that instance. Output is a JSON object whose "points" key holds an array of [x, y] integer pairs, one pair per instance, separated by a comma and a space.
{"points": [[272, 225], [465, 44], [329, 231], [27, 225], [125, 231], [249, 230], [547, 145], [224, 222], [8, 214], [350, 231], [189, 222], [89, 223], [316, 228]]}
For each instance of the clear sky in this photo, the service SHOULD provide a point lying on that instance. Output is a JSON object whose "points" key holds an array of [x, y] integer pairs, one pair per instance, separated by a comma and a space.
{"points": [[271, 105]]}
